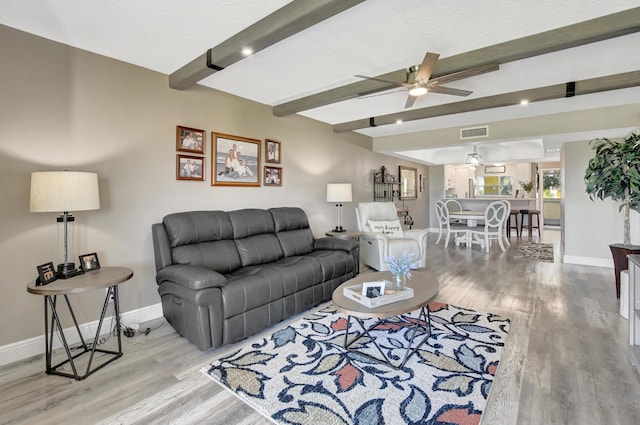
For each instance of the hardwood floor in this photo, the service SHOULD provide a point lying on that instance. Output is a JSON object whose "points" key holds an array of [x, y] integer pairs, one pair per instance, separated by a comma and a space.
{"points": [[566, 360]]}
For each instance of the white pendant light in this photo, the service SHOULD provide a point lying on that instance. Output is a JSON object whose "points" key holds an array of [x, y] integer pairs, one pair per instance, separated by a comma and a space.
{"points": [[474, 158]]}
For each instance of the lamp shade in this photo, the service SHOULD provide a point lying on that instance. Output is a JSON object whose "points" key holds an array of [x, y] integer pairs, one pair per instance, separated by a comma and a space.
{"points": [[59, 191], [339, 192]]}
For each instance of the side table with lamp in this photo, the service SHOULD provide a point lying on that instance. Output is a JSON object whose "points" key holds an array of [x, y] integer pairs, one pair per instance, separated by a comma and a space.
{"points": [[61, 192]]}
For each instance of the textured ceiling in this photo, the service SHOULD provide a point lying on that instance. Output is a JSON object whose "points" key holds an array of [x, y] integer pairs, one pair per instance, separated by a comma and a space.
{"points": [[372, 38]]}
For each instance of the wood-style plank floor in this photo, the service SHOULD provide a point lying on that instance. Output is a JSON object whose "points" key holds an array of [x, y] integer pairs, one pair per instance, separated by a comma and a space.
{"points": [[566, 359]]}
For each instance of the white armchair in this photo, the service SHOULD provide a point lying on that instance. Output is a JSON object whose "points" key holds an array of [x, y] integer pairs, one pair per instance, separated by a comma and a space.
{"points": [[376, 245]]}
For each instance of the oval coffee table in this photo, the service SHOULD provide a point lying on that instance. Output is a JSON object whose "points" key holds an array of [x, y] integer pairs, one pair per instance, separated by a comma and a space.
{"points": [[425, 287]]}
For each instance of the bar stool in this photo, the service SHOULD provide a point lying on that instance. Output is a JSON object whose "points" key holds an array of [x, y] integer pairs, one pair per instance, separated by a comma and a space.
{"points": [[513, 225], [530, 226]]}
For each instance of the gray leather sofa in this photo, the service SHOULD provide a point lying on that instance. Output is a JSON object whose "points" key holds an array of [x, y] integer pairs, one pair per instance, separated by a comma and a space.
{"points": [[224, 276]]}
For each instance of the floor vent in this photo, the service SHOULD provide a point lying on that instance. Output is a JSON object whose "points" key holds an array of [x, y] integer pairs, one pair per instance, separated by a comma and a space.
{"points": [[474, 132]]}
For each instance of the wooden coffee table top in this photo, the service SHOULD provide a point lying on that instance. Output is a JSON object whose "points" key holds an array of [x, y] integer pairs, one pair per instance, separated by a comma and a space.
{"points": [[425, 286]]}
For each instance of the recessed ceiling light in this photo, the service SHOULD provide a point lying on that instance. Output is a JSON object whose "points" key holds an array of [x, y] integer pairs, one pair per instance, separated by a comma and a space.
{"points": [[247, 51], [524, 102], [398, 121]]}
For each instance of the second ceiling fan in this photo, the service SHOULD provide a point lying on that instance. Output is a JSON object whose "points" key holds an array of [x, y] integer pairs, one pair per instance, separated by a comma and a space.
{"points": [[422, 82]]}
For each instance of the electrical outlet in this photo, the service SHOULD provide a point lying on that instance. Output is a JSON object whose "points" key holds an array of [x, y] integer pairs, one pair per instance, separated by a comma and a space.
{"points": [[111, 297]]}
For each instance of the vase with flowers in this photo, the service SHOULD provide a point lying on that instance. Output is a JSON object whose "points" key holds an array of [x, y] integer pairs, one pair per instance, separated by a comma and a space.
{"points": [[400, 267]]}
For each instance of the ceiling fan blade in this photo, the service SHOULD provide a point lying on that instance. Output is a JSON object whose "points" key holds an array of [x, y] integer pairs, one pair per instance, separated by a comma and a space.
{"points": [[426, 67], [396, 83], [375, 93], [471, 72], [449, 90], [410, 101]]}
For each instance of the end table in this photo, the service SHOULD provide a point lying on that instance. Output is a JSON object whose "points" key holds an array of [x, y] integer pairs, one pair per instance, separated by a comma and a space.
{"points": [[103, 278]]}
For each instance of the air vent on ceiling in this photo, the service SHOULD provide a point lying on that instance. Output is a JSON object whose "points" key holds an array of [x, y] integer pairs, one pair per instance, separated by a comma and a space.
{"points": [[474, 132]]}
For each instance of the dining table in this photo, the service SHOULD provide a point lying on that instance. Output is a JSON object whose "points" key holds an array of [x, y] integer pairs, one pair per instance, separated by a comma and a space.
{"points": [[471, 218]]}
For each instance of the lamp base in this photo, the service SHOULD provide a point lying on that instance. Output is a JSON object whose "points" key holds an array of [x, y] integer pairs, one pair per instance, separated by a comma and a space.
{"points": [[339, 229], [67, 270]]}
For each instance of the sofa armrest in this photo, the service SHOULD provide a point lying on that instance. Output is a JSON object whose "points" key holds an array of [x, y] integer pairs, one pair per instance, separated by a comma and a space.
{"points": [[417, 234], [335, 243], [191, 277], [375, 236]]}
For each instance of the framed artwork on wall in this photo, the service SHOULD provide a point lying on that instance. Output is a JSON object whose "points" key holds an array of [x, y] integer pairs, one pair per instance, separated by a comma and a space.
{"points": [[272, 176], [189, 167], [494, 169], [189, 140], [235, 159], [408, 182], [272, 151]]}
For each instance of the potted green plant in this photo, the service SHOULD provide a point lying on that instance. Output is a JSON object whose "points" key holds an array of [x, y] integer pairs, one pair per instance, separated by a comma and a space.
{"points": [[527, 186], [614, 173]]}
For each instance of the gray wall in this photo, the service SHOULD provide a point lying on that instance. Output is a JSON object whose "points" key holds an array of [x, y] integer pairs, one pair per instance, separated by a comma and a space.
{"points": [[65, 108], [588, 226], [436, 191]]}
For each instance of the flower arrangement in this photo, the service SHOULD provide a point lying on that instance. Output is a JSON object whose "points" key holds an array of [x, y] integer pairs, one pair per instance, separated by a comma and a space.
{"points": [[400, 266], [527, 186]]}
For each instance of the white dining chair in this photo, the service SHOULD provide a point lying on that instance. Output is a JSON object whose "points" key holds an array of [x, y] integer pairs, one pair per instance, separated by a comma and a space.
{"points": [[495, 218], [453, 206], [447, 228], [504, 227]]}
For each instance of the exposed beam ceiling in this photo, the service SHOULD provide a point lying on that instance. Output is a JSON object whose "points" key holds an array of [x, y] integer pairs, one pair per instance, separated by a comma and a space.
{"points": [[556, 91], [590, 31], [283, 23], [540, 45]]}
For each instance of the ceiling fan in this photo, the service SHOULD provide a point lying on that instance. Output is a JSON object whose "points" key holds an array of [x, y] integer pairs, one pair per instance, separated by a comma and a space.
{"points": [[422, 82]]}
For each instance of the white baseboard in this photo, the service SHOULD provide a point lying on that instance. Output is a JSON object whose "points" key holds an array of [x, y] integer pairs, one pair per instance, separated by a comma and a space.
{"points": [[33, 346], [587, 261]]}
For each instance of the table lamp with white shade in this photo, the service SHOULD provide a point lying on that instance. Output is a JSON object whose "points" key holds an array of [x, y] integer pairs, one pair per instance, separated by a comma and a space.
{"points": [[64, 191], [339, 193]]}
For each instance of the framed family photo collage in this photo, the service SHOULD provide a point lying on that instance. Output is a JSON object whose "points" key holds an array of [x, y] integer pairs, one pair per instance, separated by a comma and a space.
{"points": [[235, 160]]}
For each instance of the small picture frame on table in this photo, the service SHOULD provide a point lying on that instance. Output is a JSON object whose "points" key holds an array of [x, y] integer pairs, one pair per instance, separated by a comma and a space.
{"points": [[46, 274], [272, 151], [89, 262], [190, 140], [272, 176], [373, 289]]}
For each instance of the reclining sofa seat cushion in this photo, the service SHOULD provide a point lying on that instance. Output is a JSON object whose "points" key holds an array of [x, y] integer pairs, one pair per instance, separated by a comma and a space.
{"points": [[203, 238], [193, 250], [267, 274], [292, 229]]}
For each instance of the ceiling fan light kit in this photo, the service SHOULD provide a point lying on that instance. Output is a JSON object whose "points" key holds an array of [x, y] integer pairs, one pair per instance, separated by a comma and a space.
{"points": [[417, 90]]}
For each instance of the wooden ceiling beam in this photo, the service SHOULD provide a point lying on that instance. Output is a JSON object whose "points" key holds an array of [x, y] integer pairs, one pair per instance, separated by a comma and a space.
{"points": [[284, 22], [591, 31], [556, 91]]}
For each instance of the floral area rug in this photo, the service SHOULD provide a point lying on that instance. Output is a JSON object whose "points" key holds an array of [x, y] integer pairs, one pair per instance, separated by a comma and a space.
{"points": [[302, 374], [535, 251]]}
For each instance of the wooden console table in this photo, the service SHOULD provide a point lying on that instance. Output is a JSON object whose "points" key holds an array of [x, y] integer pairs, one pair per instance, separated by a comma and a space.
{"points": [[104, 278]]}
